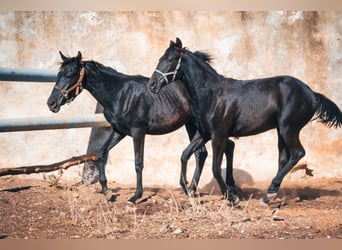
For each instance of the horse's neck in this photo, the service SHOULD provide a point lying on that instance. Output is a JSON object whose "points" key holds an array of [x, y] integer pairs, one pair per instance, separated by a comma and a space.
{"points": [[103, 85], [171, 96], [195, 82], [199, 81], [199, 75]]}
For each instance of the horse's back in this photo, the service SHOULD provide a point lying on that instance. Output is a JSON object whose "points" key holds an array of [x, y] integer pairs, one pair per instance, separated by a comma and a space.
{"points": [[264, 103]]}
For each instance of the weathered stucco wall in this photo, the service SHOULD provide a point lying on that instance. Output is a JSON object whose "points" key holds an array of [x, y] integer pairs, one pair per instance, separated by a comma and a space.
{"points": [[307, 45]]}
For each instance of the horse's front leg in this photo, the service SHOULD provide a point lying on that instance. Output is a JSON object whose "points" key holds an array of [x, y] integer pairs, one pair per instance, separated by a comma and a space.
{"points": [[220, 146], [102, 156], [200, 155], [197, 142], [138, 142]]}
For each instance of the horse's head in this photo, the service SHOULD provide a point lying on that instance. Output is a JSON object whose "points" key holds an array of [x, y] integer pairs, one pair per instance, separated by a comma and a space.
{"points": [[69, 82], [168, 68]]}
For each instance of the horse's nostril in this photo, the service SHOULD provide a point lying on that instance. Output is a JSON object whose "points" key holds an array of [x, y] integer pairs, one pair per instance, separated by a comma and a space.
{"points": [[52, 105], [153, 85]]}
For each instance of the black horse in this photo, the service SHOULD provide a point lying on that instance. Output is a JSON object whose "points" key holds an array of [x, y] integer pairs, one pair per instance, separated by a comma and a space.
{"points": [[129, 107], [225, 107]]}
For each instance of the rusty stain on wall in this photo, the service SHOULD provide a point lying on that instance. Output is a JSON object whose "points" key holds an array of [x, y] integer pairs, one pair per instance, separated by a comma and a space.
{"points": [[245, 45]]}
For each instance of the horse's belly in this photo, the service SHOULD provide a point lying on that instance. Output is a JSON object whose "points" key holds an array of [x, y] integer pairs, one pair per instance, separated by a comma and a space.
{"points": [[167, 123], [252, 127]]}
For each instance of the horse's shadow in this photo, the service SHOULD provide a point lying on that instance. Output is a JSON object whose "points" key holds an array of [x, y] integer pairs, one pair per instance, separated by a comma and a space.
{"points": [[241, 178], [307, 193], [16, 190], [245, 183]]}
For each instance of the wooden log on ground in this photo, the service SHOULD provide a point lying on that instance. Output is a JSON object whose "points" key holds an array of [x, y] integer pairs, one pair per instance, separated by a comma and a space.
{"points": [[76, 160]]}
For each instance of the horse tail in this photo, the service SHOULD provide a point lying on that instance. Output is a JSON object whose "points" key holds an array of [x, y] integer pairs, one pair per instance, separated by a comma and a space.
{"points": [[327, 111]]}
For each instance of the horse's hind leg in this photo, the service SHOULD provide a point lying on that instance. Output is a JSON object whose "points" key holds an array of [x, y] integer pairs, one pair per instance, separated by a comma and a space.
{"points": [[229, 152], [296, 152], [283, 156], [283, 159]]}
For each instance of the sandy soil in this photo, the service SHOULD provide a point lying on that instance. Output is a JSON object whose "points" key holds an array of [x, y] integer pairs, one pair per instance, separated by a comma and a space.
{"points": [[40, 209]]}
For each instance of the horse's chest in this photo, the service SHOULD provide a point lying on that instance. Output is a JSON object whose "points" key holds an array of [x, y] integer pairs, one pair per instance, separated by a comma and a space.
{"points": [[213, 116], [119, 121]]}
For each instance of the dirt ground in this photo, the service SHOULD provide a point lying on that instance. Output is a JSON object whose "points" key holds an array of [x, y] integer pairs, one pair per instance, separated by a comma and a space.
{"points": [[38, 209]]}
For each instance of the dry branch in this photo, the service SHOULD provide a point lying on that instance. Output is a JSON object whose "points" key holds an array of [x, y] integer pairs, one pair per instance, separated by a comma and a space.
{"points": [[76, 160]]}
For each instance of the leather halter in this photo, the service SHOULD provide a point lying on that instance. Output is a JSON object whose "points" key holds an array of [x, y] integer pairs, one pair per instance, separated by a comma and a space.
{"points": [[77, 86]]}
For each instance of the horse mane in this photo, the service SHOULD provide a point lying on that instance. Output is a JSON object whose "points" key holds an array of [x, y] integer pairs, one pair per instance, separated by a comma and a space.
{"points": [[99, 66], [204, 56], [205, 59], [107, 70]]}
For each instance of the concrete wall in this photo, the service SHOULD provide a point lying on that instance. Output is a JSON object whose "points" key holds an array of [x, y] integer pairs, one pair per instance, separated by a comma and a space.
{"points": [[307, 45]]}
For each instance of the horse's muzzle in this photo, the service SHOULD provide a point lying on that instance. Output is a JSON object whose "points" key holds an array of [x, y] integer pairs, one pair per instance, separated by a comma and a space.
{"points": [[155, 87], [53, 106]]}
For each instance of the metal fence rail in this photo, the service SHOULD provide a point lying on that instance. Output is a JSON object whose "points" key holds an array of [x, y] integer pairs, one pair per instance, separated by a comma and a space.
{"points": [[43, 123], [27, 75]]}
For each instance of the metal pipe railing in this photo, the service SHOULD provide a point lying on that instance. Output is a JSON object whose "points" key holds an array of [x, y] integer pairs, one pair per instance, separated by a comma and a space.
{"points": [[27, 75], [44, 123]]}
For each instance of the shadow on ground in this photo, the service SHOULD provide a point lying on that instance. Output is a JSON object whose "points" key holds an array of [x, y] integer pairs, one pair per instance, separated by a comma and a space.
{"points": [[289, 189]]}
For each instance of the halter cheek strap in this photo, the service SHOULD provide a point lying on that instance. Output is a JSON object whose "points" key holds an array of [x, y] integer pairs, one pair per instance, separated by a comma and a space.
{"points": [[174, 73], [77, 86]]}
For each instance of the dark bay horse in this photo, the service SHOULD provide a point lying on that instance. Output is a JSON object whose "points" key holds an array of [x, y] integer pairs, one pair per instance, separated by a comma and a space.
{"points": [[129, 107], [225, 107]]}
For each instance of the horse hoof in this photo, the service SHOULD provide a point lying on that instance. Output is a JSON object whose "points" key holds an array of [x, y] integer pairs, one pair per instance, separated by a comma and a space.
{"points": [[131, 201], [265, 200], [108, 194], [268, 197], [234, 200], [191, 193], [272, 196], [186, 191]]}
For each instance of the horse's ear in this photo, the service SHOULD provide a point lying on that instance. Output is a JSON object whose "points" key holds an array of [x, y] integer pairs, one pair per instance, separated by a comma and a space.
{"points": [[172, 43], [79, 56], [179, 43], [64, 58]]}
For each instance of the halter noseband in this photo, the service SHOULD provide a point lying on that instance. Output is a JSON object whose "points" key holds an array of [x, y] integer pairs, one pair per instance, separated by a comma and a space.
{"points": [[174, 73], [77, 86]]}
